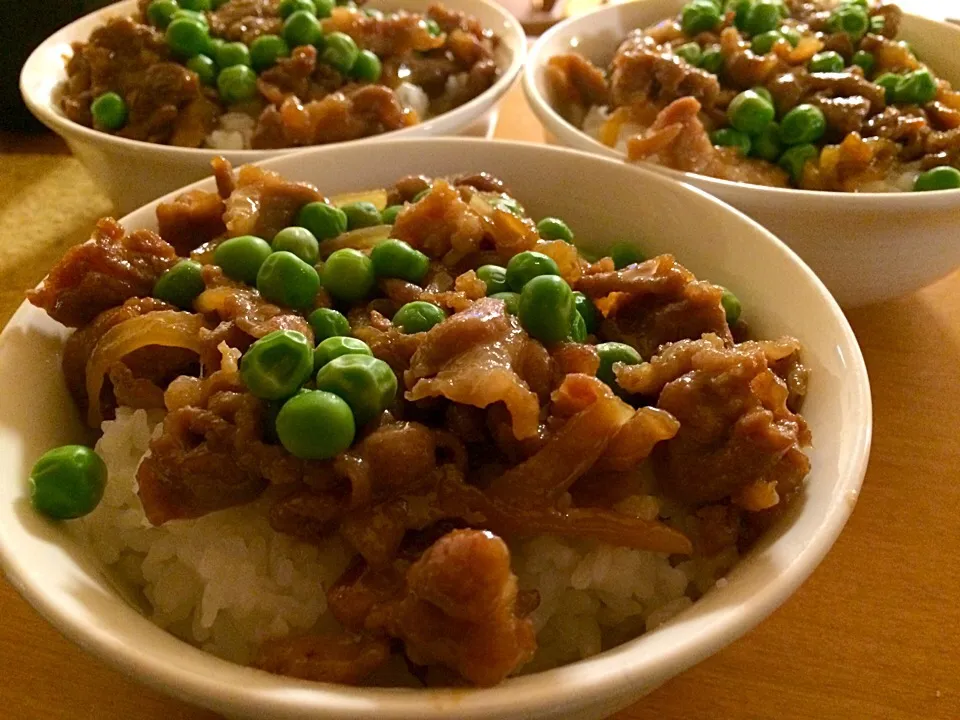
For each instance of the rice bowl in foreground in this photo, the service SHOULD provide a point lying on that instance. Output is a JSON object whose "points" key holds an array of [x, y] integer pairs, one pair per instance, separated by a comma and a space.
{"points": [[584, 572]]}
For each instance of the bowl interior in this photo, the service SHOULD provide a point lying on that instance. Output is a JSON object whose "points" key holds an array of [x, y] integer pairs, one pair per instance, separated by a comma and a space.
{"points": [[604, 202], [44, 72]]}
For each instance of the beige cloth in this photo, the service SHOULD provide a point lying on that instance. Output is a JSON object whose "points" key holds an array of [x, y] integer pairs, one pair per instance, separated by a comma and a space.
{"points": [[48, 203]]}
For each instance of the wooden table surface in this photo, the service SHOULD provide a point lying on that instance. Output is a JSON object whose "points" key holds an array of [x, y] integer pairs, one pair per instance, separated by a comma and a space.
{"points": [[873, 634]]}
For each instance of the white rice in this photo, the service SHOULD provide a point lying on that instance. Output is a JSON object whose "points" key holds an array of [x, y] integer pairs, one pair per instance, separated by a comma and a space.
{"points": [[413, 97], [598, 115], [235, 132], [227, 582]]}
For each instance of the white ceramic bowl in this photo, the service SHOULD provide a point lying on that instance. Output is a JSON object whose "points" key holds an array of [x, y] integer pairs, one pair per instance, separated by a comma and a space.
{"points": [[133, 173], [597, 197], [866, 247]]}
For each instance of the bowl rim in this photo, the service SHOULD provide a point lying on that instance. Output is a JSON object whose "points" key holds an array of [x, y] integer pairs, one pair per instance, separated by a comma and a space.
{"points": [[225, 686], [551, 121], [44, 108]]}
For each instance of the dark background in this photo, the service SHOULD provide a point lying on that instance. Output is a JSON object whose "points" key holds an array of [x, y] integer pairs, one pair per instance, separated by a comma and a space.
{"points": [[24, 24]]}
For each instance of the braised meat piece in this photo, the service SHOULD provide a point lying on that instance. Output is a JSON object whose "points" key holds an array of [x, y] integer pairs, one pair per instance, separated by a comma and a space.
{"points": [[642, 72], [262, 203], [190, 220], [471, 359], [245, 20], [102, 273], [737, 437], [654, 303], [455, 606], [576, 83]]}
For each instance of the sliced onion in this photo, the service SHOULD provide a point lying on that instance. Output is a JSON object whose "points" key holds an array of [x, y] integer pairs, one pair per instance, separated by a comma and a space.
{"points": [[362, 239], [168, 328]]}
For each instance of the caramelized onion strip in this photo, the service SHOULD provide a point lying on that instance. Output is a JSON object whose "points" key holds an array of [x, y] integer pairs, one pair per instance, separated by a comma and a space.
{"points": [[168, 328]]}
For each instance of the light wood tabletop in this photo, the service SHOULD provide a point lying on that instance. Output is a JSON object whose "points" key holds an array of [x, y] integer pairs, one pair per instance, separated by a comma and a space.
{"points": [[873, 634]]}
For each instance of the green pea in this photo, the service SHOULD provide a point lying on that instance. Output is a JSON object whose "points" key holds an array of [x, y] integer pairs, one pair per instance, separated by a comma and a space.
{"points": [[367, 67], [690, 52], [578, 328], [624, 255], [728, 137], [109, 112], [237, 84], [433, 27], [546, 306], [67, 482], [587, 310], [348, 275], [850, 19], [418, 316], [196, 5], [389, 214], [287, 280], [741, 9], [865, 60], [551, 228], [767, 144], [160, 12], [233, 53], [336, 346], [803, 124], [790, 35], [204, 67], [324, 7], [421, 195], [712, 60], [266, 50], [527, 265], [888, 81], [366, 384], [328, 323], [181, 284], [190, 15], [764, 93], [276, 365], [299, 241], [495, 278], [241, 257], [764, 42], [877, 24], [510, 299], [396, 259], [699, 16], [731, 306], [614, 352], [341, 51], [763, 16], [324, 221], [942, 177], [826, 62], [915, 88], [187, 37], [315, 425], [361, 214], [794, 159], [288, 7], [750, 113], [213, 47], [301, 28]]}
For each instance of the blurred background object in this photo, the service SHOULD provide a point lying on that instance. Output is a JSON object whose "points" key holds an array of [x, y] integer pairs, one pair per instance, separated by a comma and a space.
{"points": [[23, 26]]}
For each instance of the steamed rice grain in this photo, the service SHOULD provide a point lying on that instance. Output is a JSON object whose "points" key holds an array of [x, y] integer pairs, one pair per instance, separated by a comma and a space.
{"points": [[226, 582]]}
